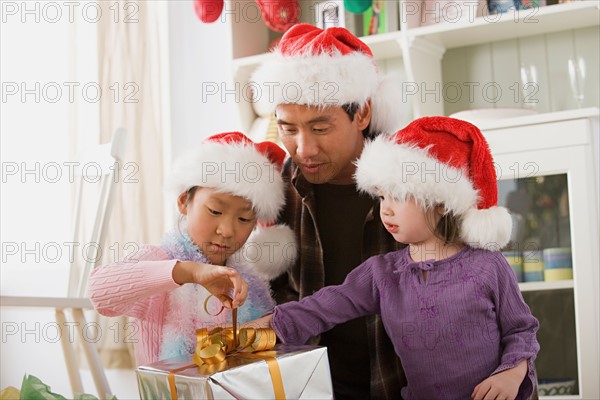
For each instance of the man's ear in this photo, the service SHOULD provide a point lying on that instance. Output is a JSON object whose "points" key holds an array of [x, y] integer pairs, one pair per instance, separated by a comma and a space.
{"points": [[363, 116], [182, 202]]}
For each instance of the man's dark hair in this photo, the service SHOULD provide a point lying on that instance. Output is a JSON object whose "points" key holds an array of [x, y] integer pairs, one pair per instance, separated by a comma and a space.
{"points": [[351, 109]]}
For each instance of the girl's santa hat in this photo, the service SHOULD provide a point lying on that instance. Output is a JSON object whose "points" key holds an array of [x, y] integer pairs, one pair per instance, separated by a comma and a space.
{"points": [[330, 67], [440, 160], [232, 163]]}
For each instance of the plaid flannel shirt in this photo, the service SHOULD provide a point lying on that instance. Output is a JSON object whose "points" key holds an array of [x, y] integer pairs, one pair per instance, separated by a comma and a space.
{"points": [[308, 275]]}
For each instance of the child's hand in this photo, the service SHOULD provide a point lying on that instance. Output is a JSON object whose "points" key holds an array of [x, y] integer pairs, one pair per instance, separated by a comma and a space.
{"points": [[502, 386], [218, 280], [262, 322]]}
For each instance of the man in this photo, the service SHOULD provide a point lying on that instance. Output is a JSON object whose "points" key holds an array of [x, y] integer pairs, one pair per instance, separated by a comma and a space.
{"points": [[328, 99]]}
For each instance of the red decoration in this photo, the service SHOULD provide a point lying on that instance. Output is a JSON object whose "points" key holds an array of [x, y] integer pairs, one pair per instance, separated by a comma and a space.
{"points": [[280, 15], [208, 10]]}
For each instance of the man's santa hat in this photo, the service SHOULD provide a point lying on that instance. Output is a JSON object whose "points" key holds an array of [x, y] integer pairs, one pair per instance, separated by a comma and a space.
{"points": [[440, 160], [330, 67], [232, 163]]}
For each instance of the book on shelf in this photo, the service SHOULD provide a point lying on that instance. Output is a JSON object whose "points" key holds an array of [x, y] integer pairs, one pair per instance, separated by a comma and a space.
{"points": [[381, 17]]}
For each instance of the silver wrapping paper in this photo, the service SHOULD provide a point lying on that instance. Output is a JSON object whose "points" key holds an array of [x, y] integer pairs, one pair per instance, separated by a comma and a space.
{"points": [[304, 371]]}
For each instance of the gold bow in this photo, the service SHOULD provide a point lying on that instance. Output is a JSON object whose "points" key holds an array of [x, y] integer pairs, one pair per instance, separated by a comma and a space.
{"points": [[214, 347]]}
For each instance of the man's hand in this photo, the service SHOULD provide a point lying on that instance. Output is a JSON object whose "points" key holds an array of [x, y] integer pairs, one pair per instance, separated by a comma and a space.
{"points": [[218, 280], [502, 386]]}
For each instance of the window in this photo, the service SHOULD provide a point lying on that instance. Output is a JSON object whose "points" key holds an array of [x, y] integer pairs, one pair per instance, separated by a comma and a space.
{"points": [[49, 81]]}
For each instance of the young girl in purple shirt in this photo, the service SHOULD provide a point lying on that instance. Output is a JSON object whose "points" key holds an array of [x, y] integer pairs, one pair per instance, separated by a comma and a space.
{"points": [[449, 301]]}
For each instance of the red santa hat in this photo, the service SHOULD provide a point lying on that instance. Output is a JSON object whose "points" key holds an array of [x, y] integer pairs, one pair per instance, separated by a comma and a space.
{"points": [[232, 163], [330, 67], [440, 160]]}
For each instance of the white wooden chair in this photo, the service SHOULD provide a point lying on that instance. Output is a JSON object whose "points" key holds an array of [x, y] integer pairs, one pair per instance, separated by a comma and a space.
{"points": [[109, 157]]}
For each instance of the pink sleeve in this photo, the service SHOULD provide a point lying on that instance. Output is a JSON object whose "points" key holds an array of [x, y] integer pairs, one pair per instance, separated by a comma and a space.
{"points": [[127, 287]]}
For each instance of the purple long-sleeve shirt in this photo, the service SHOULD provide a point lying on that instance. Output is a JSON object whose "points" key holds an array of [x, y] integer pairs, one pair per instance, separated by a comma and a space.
{"points": [[466, 322]]}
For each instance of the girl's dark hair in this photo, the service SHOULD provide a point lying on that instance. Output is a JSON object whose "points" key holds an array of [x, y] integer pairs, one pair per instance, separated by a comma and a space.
{"points": [[447, 228], [190, 194], [351, 109], [189, 197]]}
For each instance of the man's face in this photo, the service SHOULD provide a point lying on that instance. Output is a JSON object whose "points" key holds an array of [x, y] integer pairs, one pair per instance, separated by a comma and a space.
{"points": [[323, 142]]}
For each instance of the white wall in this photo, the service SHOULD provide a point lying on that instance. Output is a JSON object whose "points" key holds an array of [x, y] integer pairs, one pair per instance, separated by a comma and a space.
{"points": [[200, 61], [36, 55], [37, 131]]}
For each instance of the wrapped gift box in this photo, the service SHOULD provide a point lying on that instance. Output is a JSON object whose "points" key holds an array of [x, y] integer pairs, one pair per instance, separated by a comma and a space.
{"points": [[304, 372]]}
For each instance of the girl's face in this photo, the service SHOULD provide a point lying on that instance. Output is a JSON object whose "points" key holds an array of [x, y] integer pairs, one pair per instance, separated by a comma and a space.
{"points": [[408, 222], [218, 223]]}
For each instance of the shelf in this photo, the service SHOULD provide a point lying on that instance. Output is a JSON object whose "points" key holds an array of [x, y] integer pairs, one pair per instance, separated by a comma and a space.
{"points": [[542, 118], [384, 45], [243, 66], [512, 24], [536, 286]]}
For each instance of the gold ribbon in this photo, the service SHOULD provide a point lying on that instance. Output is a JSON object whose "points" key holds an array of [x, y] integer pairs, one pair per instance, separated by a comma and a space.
{"points": [[215, 346], [172, 386]]}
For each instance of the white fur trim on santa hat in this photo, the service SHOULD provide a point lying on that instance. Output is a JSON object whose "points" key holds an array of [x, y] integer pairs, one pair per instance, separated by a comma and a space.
{"points": [[269, 251], [487, 228], [402, 170], [386, 113], [236, 169], [326, 80]]}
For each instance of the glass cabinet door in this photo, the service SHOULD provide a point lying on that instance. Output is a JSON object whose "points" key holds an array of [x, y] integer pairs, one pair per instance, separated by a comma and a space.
{"points": [[540, 254], [547, 180]]}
